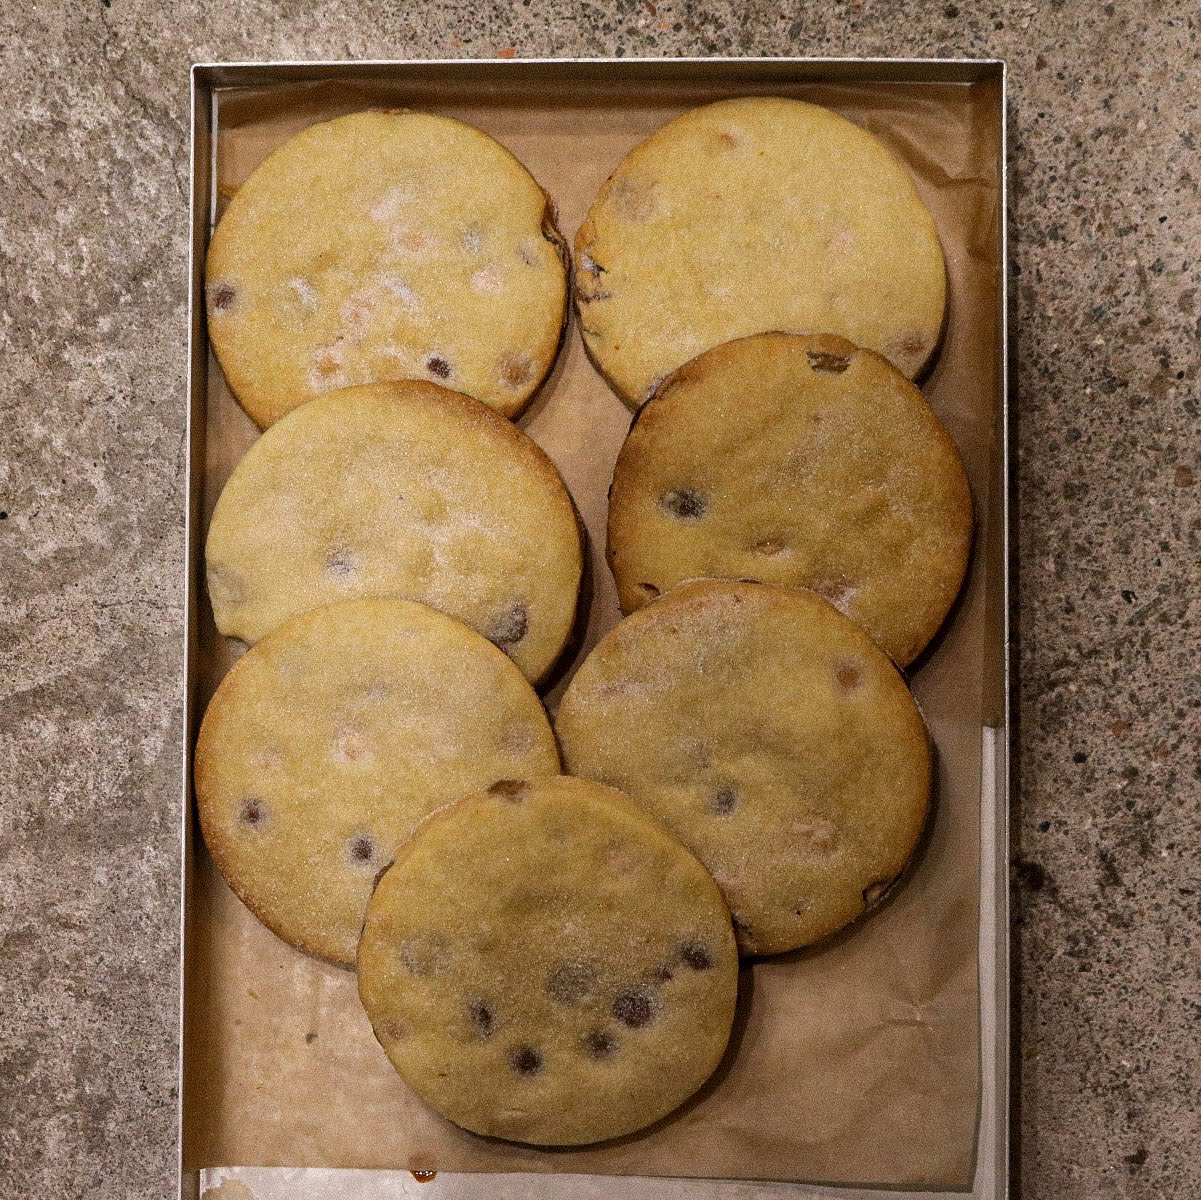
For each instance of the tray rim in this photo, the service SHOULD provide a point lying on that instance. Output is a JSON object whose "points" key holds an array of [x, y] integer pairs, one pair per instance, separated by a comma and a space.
{"points": [[207, 77]]}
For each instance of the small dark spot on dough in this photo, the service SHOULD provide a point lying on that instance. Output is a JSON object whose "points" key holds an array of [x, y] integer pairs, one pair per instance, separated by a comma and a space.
{"points": [[684, 505], [253, 813], [662, 974], [327, 363], [724, 802], [570, 982], [848, 675], [819, 360], [342, 564], [509, 789], [634, 1007], [511, 626], [516, 370], [361, 848], [310, 1038], [769, 546], [436, 365], [525, 1060], [424, 956], [649, 590], [696, 956], [222, 296], [483, 1019], [600, 1044]]}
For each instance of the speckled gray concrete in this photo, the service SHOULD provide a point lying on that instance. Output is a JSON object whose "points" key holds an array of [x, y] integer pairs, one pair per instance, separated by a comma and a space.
{"points": [[1106, 125]]}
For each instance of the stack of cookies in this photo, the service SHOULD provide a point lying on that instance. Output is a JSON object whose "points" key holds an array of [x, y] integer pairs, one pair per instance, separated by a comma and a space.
{"points": [[547, 923]]}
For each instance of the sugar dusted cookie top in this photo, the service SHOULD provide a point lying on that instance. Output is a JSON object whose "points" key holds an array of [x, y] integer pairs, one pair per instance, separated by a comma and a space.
{"points": [[386, 245], [797, 460], [752, 215], [772, 737], [546, 964], [328, 741], [402, 489]]}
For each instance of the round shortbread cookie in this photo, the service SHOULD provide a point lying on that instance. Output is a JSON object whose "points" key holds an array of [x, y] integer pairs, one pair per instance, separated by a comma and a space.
{"points": [[796, 460], [546, 964], [328, 741], [772, 736], [751, 215], [386, 245], [402, 489]]}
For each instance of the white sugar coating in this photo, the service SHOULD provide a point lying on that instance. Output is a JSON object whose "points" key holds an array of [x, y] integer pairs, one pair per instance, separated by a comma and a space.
{"points": [[770, 735], [305, 293], [385, 230], [402, 489], [488, 280], [393, 201], [356, 312], [329, 740], [787, 217], [395, 285], [545, 964]]}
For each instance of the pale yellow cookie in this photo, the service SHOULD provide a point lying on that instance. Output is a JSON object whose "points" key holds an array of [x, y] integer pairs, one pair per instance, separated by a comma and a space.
{"points": [[386, 245], [797, 460], [772, 737], [546, 964], [400, 489], [752, 215], [329, 740]]}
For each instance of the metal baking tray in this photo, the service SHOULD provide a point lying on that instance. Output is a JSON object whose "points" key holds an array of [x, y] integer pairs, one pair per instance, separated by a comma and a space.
{"points": [[595, 79]]}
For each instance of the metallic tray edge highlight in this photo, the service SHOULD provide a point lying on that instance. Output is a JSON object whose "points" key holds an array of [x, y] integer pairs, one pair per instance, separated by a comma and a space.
{"points": [[493, 74]]}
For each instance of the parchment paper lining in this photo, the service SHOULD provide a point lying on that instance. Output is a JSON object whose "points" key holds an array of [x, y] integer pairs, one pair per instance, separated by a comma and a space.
{"points": [[857, 1063]]}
